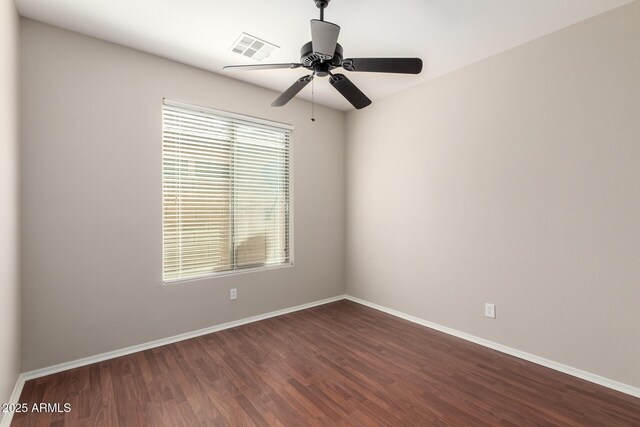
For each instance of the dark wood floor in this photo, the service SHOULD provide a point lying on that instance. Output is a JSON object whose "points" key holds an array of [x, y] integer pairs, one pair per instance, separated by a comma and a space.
{"points": [[339, 364]]}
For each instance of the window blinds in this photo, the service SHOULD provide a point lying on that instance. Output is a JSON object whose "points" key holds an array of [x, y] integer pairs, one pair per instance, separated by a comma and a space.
{"points": [[226, 192]]}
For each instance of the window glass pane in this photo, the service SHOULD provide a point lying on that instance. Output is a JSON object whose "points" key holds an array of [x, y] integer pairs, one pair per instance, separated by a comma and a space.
{"points": [[225, 193], [261, 193]]}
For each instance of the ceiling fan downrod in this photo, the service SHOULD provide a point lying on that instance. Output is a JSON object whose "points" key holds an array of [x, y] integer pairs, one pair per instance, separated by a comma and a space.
{"points": [[322, 4]]}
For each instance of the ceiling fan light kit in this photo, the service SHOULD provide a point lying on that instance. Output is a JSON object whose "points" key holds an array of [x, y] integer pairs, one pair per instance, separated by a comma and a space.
{"points": [[323, 54]]}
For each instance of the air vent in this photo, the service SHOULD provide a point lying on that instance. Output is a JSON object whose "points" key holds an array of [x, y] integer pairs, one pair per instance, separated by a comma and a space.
{"points": [[253, 47]]}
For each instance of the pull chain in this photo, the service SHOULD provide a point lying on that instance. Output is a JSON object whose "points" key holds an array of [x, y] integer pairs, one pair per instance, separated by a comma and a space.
{"points": [[312, 93]]}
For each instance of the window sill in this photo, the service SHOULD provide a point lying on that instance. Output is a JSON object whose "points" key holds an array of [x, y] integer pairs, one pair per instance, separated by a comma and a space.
{"points": [[227, 273]]}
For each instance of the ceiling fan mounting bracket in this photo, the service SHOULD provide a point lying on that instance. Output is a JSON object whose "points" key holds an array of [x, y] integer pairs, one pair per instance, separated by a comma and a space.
{"points": [[347, 64]]}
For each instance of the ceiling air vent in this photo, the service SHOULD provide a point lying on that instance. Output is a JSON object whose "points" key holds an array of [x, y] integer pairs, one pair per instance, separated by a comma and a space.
{"points": [[253, 47]]}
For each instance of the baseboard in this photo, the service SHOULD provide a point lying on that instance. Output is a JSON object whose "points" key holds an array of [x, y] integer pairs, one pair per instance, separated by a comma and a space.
{"points": [[5, 419], [170, 340], [579, 373]]}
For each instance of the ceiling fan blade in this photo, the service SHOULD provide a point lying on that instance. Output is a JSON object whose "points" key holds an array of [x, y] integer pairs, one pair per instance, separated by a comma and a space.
{"points": [[384, 65], [324, 38], [349, 91], [260, 67], [293, 90]]}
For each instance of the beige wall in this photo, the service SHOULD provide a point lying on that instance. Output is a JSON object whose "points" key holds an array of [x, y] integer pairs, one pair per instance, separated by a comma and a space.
{"points": [[9, 226], [91, 200], [514, 181]]}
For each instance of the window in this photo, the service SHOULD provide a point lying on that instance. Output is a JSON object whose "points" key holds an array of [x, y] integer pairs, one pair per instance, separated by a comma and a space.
{"points": [[226, 192]]}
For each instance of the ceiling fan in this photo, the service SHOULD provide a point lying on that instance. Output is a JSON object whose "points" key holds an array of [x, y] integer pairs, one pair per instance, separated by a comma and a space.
{"points": [[323, 54]]}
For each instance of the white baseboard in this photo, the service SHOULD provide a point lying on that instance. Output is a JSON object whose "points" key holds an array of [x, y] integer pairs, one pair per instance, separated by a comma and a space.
{"points": [[5, 418], [579, 373], [170, 340]]}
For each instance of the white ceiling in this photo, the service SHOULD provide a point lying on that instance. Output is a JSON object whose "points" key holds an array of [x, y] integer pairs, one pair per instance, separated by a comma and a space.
{"points": [[446, 34]]}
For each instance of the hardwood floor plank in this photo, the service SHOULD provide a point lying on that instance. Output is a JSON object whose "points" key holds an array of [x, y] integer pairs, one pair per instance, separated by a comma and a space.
{"points": [[341, 364]]}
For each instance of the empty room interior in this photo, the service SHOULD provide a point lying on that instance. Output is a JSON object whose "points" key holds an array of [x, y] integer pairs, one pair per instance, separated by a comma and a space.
{"points": [[320, 213]]}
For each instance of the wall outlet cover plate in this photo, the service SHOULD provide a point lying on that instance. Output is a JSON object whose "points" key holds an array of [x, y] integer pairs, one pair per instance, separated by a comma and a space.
{"points": [[490, 310]]}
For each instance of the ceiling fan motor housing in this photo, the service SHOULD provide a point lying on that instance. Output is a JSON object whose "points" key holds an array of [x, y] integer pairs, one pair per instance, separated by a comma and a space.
{"points": [[314, 62]]}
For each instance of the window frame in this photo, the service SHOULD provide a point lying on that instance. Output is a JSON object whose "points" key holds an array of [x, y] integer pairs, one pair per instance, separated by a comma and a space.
{"points": [[290, 190]]}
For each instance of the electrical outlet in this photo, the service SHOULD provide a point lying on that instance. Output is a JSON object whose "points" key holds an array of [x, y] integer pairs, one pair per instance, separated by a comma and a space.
{"points": [[490, 310], [233, 294]]}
